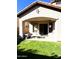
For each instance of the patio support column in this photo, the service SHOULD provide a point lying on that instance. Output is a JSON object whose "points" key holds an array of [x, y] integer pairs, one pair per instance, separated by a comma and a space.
{"points": [[31, 28], [20, 28], [38, 29]]}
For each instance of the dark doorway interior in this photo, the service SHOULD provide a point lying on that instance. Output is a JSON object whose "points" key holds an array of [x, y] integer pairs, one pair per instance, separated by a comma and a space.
{"points": [[43, 29]]}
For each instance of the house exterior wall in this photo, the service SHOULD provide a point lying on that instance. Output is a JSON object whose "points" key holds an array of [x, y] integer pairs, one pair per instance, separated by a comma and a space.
{"points": [[56, 34], [17, 25], [43, 12]]}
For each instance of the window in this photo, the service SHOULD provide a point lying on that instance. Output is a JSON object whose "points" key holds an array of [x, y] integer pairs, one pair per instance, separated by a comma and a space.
{"points": [[51, 26]]}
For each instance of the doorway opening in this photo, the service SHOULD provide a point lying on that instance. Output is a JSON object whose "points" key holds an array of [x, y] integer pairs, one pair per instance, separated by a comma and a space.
{"points": [[43, 29]]}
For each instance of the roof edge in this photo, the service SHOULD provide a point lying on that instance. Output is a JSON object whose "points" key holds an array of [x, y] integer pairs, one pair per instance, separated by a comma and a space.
{"points": [[41, 3]]}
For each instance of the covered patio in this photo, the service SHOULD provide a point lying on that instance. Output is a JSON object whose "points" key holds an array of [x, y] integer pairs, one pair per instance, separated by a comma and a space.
{"points": [[39, 26]]}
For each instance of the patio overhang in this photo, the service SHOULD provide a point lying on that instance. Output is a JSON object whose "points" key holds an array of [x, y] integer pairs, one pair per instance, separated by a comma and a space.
{"points": [[38, 19]]}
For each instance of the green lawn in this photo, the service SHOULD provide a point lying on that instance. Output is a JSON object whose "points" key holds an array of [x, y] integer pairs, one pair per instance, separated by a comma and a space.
{"points": [[41, 47]]}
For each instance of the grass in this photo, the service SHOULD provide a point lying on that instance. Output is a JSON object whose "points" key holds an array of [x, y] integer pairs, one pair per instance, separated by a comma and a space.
{"points": [[41, 47]]}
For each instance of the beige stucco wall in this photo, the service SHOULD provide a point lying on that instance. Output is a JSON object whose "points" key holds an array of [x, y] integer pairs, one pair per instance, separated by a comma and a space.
{"points": [[43, 12], [56, 35], [17, 25], [17, 21]]}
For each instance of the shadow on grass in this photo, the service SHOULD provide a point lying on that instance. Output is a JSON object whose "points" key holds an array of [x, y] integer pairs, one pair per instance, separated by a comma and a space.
{"points": [[30, 54], [19, 39]]}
